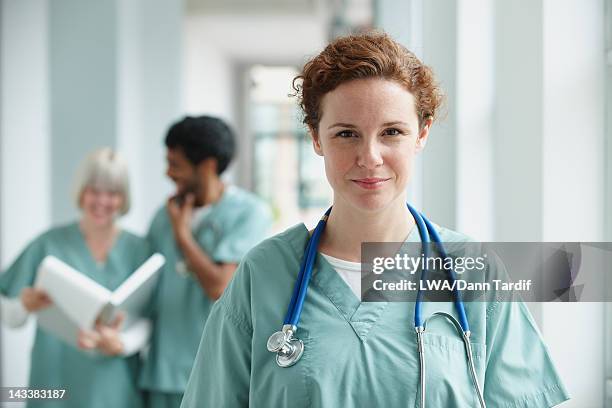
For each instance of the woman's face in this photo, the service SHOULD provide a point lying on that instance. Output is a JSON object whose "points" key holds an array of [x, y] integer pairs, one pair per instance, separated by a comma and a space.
{"points": [[368, 136], [100, 206]]}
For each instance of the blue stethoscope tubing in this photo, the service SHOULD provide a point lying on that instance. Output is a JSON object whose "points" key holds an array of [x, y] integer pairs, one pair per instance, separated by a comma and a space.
{"points": [[427, 230], [289, 349], [301, 286]]}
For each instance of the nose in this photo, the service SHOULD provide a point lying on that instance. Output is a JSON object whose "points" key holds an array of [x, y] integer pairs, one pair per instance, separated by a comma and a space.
{"points": [[370, 155], [103, 197]]}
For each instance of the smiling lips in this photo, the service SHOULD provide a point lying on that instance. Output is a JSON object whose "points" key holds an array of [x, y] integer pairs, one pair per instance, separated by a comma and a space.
{"points": [[371, 183]]}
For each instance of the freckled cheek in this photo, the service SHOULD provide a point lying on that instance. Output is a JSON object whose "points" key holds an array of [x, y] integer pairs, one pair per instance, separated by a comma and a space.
{"points": [[345, 164], [337, 169], [401, 166]]}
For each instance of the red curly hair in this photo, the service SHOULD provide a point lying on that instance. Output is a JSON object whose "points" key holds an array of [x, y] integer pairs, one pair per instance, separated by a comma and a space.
{"points": [[368, 55]]}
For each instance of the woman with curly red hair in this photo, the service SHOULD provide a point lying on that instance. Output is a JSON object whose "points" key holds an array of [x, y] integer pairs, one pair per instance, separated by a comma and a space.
{"points": [[369, 105]]}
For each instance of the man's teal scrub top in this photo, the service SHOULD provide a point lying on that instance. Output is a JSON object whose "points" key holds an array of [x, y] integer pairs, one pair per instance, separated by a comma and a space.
{"points": [[90, 380], [232, 226], [359, 354]]}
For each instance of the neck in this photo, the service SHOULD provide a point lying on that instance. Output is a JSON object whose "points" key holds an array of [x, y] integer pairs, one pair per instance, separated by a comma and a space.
{"points": [[347, 228], [97, 232], [212, 192]]}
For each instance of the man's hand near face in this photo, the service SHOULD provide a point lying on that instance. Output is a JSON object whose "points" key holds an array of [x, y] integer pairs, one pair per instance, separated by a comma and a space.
{"points": [[212, 277], [180, 211]]}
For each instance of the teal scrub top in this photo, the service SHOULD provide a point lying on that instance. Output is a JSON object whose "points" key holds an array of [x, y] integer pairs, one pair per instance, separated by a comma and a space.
{"points": [[358, 353], [90, 379], [232, 226]]}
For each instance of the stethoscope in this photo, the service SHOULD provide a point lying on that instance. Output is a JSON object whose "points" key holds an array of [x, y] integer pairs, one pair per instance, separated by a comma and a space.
{"points": [[289, 349]]}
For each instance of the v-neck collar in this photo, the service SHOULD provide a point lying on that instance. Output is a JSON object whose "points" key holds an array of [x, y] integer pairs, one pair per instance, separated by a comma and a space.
{"points": [[92, 262], [361, 316]]}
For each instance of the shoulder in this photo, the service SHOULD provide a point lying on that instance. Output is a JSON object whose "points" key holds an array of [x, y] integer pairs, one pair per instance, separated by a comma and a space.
{"points": [[267, 269], [133, 240], [160, 218], [449, 235], [285, 246], [460, 244], [160, 215], [53, 239], [273, 257], [244, 202], [133, 248], [58, 232]]}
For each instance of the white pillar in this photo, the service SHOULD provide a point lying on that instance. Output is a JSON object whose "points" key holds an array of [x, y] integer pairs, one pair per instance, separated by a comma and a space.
{"points": [[83, 90], [115, 81], [474, 118], [440, 156], [573, 178], [549, 170], [24, 153], [608, 200], [149, 92], [519, 124]]}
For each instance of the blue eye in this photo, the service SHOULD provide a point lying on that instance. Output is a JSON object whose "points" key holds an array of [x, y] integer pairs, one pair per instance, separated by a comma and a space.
{"points": [[345, 134]]}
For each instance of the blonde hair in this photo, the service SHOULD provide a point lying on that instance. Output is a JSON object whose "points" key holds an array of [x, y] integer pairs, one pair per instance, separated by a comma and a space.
{"points": [[106, 170]]}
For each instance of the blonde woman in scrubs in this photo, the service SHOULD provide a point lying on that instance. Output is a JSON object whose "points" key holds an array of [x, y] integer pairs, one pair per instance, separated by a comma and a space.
{"points": [[97, 247], [369, 105]]}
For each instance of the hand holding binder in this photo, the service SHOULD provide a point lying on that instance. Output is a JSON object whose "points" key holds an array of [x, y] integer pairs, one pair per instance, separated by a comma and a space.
{"points": [[78, 301], [34, 299]]}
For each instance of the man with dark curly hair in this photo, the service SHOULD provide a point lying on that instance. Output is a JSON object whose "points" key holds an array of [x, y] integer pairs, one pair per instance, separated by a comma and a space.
{"points": [[203, 230]]}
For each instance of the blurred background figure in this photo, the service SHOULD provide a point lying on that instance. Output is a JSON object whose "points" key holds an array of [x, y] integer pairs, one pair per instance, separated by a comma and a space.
{"points": [[526, 131], [97, 247], [203, 230]]}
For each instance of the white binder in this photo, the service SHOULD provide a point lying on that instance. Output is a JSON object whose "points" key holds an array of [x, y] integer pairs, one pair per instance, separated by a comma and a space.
{"points": [[78, 301]]}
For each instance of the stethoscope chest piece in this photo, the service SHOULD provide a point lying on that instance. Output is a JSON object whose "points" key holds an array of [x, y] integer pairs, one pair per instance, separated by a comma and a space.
{"points": [[276, 341], [293, 356], [288, 349]]}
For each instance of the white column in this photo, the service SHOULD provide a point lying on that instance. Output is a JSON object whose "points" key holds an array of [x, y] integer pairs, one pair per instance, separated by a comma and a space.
{"points": [[608, 200], [574, 119], [474, 118], [24, 153], [149, 91], [440, 158], [83, 90], [115, 81], [519, 124], [608, 129], [573, 177], [549, 170]]}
